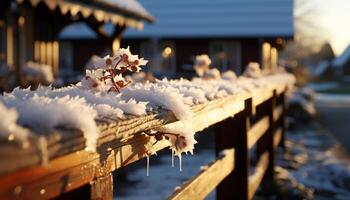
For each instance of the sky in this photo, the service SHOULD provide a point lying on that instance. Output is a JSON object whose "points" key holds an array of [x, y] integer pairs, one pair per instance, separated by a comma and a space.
{"points": [[334, 17]]}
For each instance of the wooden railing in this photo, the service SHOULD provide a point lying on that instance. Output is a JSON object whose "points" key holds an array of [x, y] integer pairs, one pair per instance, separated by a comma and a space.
{"points": [[243, 123], [260, 125]]}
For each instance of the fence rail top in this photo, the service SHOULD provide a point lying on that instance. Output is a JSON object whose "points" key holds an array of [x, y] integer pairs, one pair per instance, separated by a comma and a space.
{"points": [[118, 146]]}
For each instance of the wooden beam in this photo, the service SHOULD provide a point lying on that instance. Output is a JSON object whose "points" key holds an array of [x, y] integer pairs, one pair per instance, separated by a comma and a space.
{"points": [[72, 171], [259, 171], [277, 137], [102, 188], [203, 183], [257, 131], [277, 113]]}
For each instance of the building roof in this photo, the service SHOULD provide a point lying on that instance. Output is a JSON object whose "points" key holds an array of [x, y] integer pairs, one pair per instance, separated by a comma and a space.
{"points": [[217, 18], [341, 60], [121, 12], [78, 30]]}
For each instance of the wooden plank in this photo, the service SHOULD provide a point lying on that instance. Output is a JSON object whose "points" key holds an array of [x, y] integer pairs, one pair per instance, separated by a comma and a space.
{"points": [[277, 137], [277, 113], [232, 133], [206, 181], [257, 131], [72, 171], [261, 95], [102, 188], [259, 171]]}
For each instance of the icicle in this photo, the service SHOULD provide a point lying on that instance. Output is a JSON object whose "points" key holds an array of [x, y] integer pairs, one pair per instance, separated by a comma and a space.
{"points": [[180, 162], [172, 158], [147, 165]]}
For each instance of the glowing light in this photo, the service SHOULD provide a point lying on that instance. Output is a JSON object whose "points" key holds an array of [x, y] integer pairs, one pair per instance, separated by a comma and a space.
{"points": [[21, 21], [11, 137], [115, 45], [43, 52], [167, 52]]}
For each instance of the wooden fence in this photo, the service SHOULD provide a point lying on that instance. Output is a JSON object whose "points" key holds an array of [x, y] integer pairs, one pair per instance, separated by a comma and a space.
{"points": [[243, 123]]}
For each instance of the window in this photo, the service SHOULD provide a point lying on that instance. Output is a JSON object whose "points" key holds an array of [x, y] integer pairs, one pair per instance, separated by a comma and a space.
{"points": [[2, 42], [160, 54], [168, 59], [225, 55]]}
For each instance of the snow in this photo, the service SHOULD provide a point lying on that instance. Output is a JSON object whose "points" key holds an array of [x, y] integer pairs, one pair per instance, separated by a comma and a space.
{"points": [[44, 112], [35, 71], [129, 5], [201, 64], [103, 93], [8, 125], [333, 98], [252, 70], [319, 164], [323, 86]]}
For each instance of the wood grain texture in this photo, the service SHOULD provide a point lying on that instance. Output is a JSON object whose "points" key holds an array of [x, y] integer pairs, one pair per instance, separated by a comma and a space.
{"points": [[102, 188], [206, 181], [259, 171]]}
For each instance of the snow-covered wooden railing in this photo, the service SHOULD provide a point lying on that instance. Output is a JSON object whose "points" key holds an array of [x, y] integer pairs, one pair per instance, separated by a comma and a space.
{"points": [[261, 123], [60, 164]]}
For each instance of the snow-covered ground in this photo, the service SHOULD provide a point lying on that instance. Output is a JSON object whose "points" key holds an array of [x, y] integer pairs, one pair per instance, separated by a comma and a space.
{"points": [[323, 86], [332, 98], [317, 162]]}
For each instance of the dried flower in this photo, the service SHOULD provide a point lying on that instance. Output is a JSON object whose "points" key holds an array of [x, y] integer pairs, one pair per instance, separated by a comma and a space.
{"points": [[109, 71]]}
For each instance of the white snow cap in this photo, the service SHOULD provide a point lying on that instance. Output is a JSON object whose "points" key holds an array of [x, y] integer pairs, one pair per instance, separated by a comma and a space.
{"points": [[229, 75], [201, 64], [253, 70], [38, 72], [8, 124], [80, 105]]}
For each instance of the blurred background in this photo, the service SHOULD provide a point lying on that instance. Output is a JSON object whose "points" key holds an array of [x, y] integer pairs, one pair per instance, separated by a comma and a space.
{"points": [[52, 42], [57, 39]]}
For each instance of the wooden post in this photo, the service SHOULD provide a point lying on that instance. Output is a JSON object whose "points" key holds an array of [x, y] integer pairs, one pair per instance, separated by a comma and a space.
{"points": [[266, 142], [230, 133], [269, 139], [102, 188], [283, 119]]}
